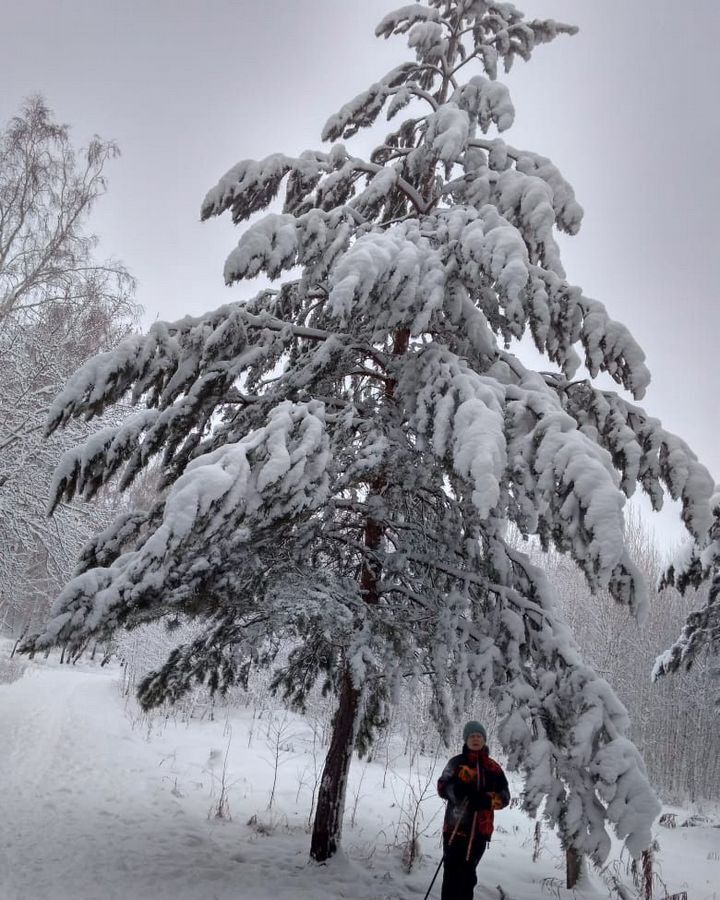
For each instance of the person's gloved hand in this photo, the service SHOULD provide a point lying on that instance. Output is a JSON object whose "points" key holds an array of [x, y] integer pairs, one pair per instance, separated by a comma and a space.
{"points": [[482, 800], [497, 801]]}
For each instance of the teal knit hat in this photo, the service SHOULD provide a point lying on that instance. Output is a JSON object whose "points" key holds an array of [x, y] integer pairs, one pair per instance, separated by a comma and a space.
{"points": [[474, 728]]}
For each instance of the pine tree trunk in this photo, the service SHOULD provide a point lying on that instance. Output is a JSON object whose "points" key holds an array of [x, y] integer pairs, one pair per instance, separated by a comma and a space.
{"points": [[573, 866], [331, 794], [647, 870]]}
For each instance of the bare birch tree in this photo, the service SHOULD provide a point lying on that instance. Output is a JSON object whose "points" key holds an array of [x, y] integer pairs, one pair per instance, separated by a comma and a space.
{"points": [[58, 306]]}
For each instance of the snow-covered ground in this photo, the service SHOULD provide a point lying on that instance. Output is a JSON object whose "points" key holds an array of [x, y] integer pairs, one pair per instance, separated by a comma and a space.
{"points": [[100, 803]]}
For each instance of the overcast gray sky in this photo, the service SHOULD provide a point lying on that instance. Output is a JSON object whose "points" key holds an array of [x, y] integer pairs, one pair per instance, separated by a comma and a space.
{"points": [[627, 109]]}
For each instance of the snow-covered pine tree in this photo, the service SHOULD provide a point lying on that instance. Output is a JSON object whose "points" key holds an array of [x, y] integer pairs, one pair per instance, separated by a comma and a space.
{"points": [[697, 563], [343, 455]]}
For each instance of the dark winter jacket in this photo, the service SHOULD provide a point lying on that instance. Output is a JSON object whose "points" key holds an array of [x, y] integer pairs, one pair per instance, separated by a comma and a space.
{"points": [[473, 784]]}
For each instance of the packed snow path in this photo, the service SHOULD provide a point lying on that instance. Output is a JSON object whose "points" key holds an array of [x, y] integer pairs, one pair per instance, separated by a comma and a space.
{"points": [[101, 804], [93, 811], [89, 815]]}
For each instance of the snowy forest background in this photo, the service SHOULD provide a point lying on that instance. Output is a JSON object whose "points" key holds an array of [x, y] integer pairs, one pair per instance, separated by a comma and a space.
{"points": [[61, 303]]}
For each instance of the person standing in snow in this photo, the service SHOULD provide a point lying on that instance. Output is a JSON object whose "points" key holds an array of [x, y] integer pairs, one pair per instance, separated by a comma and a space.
{"points": [[474, 786]]}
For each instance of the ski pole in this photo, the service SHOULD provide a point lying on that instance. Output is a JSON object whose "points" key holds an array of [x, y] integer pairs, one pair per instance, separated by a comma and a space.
{"points": [[439, 866], [472, 837], [452, 838], [474, 822], [457, 824]]}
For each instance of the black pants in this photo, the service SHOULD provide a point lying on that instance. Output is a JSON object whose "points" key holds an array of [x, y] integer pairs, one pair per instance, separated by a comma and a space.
{"points": [[459, 876]]}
